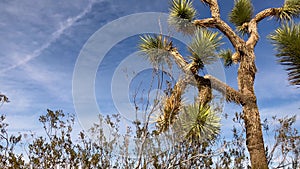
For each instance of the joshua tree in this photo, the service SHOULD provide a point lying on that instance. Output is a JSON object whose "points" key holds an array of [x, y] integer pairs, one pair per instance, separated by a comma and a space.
{"points": [[204, 48]]}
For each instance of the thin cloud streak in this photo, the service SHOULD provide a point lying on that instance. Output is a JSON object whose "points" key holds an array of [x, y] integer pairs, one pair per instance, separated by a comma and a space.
{"points": [[56, 35]]}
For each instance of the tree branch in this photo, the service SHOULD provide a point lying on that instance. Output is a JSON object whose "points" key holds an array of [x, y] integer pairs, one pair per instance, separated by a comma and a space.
{"points": [[231, 94], [217, 22], [236, 41], [266, 13], [252, 25], [208, 22], [181, 62]]}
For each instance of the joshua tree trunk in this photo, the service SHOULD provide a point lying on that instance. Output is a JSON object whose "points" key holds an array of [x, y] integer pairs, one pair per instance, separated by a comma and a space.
{"points": [[243, 55], [245, 97], [251, 116]]}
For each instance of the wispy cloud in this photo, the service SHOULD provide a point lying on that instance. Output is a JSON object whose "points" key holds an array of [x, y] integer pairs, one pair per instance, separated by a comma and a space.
{"points": [[54, 36], [281, 110], [272, 83]]}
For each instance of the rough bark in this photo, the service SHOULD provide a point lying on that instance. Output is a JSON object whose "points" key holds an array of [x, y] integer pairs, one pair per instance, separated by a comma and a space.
{"points": [[172, 105], [251, 116], [230, 94], [246, 76]]}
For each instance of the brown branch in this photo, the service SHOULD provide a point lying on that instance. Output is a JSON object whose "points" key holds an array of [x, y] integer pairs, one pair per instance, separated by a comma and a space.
{"points": [[217, 22], [231, 94], [266, 13], [181, 62], [252, 25], [224, 27], [236, 41], [208, 22]]}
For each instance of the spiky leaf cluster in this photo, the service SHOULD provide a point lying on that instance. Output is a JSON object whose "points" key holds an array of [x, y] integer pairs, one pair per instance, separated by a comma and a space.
{"points": [[290, 9], [286, 40], [182, 13], [226, 56], [241, 13], [204, 45], [155, 48], [198, 123]]}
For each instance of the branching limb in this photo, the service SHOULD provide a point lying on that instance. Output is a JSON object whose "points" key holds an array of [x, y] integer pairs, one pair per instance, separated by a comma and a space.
{"points": [[252, 25], [266, 13], [180, 61], [217, 22], [231, 94], [207, 22]]}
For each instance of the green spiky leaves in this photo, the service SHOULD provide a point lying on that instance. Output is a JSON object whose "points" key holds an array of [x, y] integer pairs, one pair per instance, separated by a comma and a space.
{"points": [[155, 48], [199, 123], [286, 40], [241, 13], [182, 13], [183, 9], [290, 9], [226, 55], [204, 45]]}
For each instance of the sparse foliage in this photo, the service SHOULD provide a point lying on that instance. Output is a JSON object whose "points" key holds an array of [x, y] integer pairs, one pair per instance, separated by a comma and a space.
{"points": [[286, 40], [290, 10], [198, 123], [95, 150], [226, 55], [182, 13], [156, 49], [241, 13], [204, 46]]}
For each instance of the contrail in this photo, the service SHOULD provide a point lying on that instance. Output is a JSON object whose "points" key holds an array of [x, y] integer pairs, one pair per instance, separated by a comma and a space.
{"points": [[55, 35]]}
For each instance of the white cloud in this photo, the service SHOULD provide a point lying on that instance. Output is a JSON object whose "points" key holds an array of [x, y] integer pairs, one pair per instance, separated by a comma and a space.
{"points": [[34, 82], [21, 122], [281, 110], [54, 36], [272, 83]]}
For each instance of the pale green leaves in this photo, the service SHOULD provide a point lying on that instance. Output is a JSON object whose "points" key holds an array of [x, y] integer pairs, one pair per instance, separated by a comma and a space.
{"points": [[226, 55], [199, 123], [155, 48], [286, 40], [182, 13], [204, 45], [241, 13], [290, 9], [183, 9]]}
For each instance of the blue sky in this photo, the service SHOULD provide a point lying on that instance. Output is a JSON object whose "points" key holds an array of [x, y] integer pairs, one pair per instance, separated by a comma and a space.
{"points": [[41, 41]]}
